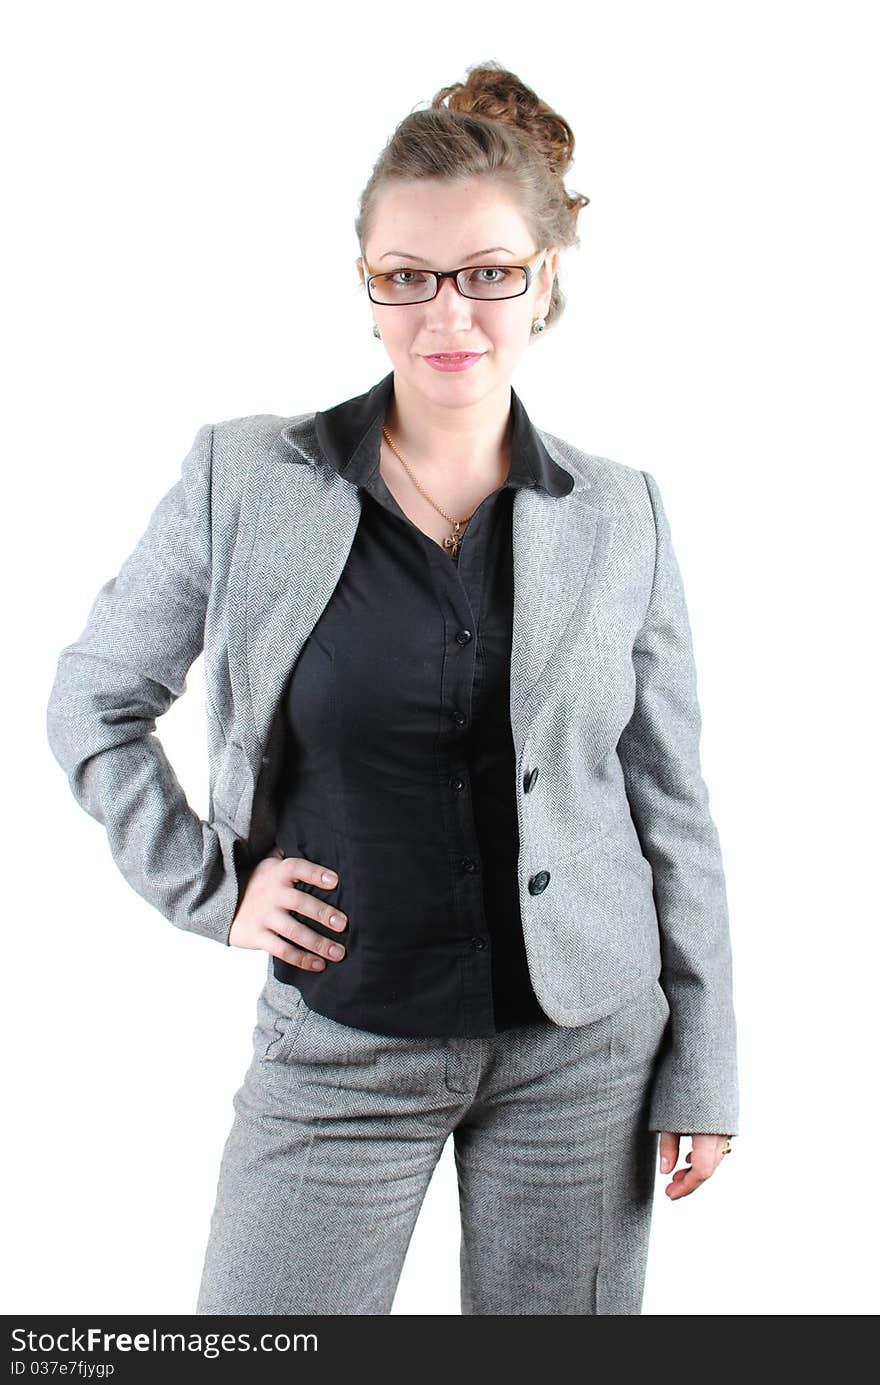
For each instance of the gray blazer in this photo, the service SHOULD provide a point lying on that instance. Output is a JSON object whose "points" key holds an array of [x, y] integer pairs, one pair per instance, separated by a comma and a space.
{"points": [[620, 870]]}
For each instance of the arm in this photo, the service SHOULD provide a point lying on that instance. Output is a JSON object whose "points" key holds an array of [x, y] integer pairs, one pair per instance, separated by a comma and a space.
{"points": [[145, 629], [696, 1084]]}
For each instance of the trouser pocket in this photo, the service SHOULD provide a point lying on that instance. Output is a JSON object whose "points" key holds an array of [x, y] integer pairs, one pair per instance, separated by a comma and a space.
{"points": [[279, 1024]]}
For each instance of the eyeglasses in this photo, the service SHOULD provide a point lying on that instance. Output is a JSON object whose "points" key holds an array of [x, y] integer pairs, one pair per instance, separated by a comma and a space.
{"points": [[491, 281]]}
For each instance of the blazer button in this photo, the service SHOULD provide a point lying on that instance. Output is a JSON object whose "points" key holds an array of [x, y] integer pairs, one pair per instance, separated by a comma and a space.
{"points": [[529, 781], [457, 785], [266, 760], [464, 637], [478, 944], [539, 882], [459, 718], [469, 864]]}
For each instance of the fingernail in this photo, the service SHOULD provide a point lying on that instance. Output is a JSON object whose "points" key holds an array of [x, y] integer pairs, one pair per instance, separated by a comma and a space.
{"points": [[329, 876]]}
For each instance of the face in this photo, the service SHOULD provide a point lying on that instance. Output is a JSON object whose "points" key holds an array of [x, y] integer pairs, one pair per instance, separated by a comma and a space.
{"points": [[431, 224]]}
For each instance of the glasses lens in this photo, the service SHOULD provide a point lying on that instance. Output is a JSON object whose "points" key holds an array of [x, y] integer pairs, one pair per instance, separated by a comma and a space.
{"points": [[402, 286], [492, 281], [477, 281]]}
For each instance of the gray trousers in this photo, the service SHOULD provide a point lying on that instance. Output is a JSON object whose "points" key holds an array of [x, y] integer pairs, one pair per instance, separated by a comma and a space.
{"points": [[337, 1133]]}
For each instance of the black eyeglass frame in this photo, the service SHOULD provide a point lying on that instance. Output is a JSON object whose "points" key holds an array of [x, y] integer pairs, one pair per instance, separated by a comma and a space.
{"points": [[441, 274]]}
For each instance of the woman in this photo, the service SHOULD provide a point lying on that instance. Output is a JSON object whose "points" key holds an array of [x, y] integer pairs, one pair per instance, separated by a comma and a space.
{"points": [[455, 782]]}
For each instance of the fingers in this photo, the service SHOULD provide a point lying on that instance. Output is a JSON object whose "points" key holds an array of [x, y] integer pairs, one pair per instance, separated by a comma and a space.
{"points": [[292, 939], [262, 918], [669, 1142], [289, 897], [291, 931], [704, 1160], [296, 868]]}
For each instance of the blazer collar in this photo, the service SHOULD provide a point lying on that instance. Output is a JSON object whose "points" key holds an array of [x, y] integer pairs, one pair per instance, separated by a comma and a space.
{"points": [[349, 436]]}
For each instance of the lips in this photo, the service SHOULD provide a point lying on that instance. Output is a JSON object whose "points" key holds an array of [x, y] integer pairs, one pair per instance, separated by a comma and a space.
{"points": [[453, 362]]}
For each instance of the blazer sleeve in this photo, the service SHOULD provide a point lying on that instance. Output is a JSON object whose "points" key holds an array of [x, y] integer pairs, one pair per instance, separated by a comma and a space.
{"points": [[695, 1088], [145, 628]]}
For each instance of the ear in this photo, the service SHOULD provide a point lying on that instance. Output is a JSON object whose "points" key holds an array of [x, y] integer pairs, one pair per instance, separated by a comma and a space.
{"points": [[359, 266], [548, 272]]}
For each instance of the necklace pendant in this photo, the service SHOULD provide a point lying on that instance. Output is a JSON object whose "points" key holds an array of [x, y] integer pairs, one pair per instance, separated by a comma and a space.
{"points": [[453, 540]]}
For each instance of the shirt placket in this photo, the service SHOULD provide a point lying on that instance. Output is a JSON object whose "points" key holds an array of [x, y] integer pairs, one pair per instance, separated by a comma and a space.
{"points": [[459, 586]]}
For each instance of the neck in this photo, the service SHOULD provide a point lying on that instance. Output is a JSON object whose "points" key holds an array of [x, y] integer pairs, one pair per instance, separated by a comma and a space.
{"points": [[471, 442]]}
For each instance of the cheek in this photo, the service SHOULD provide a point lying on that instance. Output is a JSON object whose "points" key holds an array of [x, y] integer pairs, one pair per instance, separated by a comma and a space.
{"points": [[509, 329], [399, 332]]}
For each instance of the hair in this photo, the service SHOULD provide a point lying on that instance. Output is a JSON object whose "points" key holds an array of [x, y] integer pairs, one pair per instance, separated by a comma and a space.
{"points": [[490, 126]]}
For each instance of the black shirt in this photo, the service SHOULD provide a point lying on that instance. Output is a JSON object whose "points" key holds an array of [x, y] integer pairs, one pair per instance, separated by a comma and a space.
{"points": [[399, 769]]}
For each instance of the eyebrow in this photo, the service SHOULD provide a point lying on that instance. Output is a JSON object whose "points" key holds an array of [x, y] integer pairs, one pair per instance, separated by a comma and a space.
{"points": [[408, 255]]}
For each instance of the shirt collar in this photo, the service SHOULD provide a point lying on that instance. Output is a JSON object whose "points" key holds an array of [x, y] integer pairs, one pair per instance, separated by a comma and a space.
{"points": [[349, 435]]}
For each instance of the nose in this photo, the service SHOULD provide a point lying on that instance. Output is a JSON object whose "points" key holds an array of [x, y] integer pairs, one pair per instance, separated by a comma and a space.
{"points": [[448, 302], [450, 287]]}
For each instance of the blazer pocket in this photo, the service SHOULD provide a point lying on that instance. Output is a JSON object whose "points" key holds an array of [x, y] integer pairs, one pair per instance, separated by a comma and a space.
{"points": [[634, 886], [628, 856], [601, 927]]}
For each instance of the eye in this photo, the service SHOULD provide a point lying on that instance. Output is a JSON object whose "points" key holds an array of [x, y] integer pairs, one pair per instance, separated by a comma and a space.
{"points": [[404, 277], [492, 269]]}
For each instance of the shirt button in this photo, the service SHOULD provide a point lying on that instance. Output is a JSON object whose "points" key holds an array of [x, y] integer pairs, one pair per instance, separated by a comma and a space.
{"points": [[539, 882], [459, 718], [464, 637], [529, 781], [478, 944], [469, 864], [457, 784]]}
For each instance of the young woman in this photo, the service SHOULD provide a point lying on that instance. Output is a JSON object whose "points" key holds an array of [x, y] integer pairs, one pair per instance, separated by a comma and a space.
{"points": [[456, 794]]}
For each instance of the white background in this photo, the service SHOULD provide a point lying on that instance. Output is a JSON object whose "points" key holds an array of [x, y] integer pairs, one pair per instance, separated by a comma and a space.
{"points": [[181, 183]]}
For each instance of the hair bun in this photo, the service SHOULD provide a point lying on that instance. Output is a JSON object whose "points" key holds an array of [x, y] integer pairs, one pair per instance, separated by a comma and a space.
{"points": [[494, 93]]}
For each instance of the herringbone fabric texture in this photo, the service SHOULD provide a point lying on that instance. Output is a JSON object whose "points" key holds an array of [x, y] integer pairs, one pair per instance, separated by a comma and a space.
{"points": [[239, 559]]}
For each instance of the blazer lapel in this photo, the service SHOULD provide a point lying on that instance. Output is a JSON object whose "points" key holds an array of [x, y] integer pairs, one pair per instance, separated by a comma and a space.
{"points": [[560, 546], [304, 528]]}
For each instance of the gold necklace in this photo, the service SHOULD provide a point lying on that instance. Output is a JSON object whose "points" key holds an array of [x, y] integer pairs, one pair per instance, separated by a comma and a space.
{"points": [[452, 542]]}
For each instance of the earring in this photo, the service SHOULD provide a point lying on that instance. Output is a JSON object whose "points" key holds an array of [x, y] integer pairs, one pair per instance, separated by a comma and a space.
{"points": [[376, 332], [538, 325]]}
